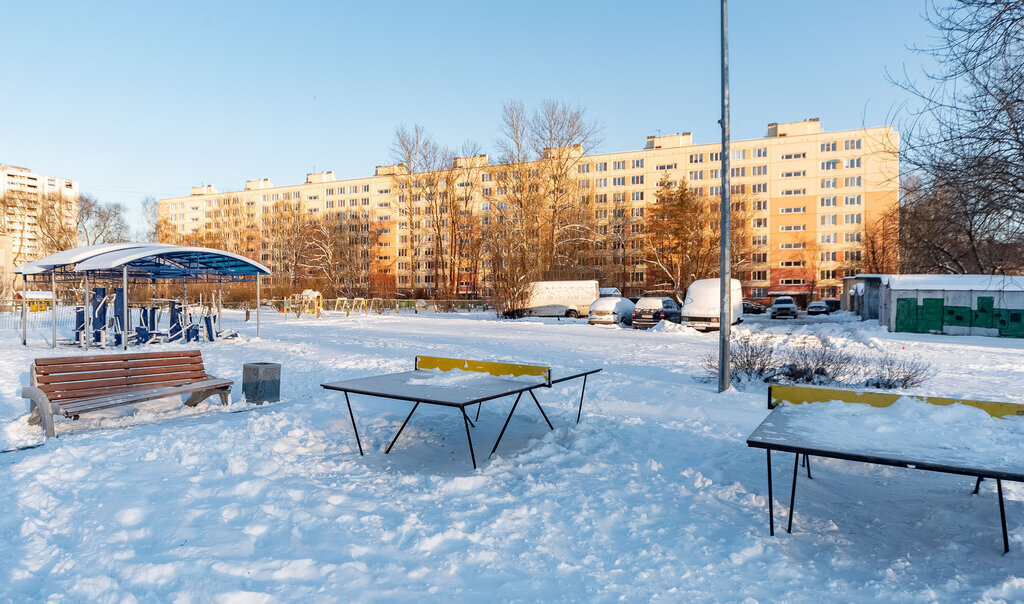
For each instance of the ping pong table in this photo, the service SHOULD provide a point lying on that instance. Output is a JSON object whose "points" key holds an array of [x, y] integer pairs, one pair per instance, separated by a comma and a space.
{"points": [[457, 383], [858, 433]]}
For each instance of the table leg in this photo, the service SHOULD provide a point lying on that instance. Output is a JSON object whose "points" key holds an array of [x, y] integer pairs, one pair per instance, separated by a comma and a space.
{"points": [[771, 501], [792, 494], [977, 485], [402, 428], [465, 421], [1002, 516], [507, 419], [579, 413], [478, 405], [541, 410], [807, 462], [352, 417]]}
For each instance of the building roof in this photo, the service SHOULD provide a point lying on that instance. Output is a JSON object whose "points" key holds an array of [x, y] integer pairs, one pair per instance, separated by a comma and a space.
{"points": [[954, 282], [150, 261]]}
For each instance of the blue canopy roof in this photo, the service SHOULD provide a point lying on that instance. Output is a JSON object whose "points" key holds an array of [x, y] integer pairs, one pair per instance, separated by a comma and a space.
{"points": [[149, 261]]}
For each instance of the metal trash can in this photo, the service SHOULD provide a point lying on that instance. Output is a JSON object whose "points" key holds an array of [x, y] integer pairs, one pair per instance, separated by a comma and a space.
{"points": [[261, 382]]}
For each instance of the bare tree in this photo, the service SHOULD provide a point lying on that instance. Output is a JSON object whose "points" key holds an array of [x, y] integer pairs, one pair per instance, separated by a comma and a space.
{"points": [[100, 222], [963, 210]]}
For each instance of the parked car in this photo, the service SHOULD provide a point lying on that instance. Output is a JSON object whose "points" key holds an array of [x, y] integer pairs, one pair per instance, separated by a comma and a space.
{"points": [[818, 308], [783, 306], [560, 298], [651, 311], [611, 311], [702, 307], [752, 308], [832, 303]]}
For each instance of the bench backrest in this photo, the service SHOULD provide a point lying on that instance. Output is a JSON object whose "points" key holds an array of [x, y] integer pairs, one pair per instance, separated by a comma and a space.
{"points": [[796, 395], [491, 367], [66, 379]]}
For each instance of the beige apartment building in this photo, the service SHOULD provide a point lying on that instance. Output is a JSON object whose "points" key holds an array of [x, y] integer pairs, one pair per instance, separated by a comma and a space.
{"points": [[809, 195], [39, 215]]}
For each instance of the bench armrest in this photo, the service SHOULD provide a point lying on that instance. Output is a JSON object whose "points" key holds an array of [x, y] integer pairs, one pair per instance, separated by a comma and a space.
{"points": [[40, 408]]}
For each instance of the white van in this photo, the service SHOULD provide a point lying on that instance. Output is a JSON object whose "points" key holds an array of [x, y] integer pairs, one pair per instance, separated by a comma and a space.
{"points": [[702, 306], [561, 298]]}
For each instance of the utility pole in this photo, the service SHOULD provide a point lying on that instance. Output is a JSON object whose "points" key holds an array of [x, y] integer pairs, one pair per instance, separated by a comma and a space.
{"points": [[725, 269]]}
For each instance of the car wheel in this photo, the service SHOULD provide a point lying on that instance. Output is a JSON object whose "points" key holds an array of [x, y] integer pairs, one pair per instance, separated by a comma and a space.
{"points": [[572, 314]]}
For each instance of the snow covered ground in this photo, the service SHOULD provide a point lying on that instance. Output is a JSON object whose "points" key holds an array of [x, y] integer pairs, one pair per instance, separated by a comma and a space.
{"points": [[654, 496]]}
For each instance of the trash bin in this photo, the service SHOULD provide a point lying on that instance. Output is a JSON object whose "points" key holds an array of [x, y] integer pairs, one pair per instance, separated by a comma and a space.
{"points": [[261, 382]]}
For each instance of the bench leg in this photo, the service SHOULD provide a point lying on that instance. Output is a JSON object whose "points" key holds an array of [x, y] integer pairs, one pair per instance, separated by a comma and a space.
{"points": [[197, 397], [41, 410], [1002, 516]]}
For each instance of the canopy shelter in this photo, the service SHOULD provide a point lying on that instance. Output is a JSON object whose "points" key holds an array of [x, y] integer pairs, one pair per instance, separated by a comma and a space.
{"points": [[140, 262]]}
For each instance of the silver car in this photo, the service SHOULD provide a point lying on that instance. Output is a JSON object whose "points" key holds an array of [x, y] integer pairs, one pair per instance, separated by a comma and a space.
{"points": [[784, 306]]}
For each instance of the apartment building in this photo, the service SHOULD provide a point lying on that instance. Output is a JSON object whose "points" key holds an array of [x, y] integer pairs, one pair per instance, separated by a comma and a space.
{"points": [[809, 195], [38, 213]]}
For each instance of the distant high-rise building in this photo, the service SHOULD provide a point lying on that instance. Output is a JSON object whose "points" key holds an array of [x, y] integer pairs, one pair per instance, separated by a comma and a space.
{"points": [[809, 195], [38, 215]]}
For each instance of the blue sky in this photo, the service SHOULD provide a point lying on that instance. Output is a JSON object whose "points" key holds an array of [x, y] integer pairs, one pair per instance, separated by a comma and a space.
{"points": [[140, 99]]}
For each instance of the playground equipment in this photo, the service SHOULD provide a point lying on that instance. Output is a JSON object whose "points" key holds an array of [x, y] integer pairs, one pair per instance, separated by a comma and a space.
{"points": [[309, 302]]}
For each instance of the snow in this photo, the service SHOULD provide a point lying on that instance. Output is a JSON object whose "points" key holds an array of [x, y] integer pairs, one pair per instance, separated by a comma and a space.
{"points": [[653, 496], [954, 282]]}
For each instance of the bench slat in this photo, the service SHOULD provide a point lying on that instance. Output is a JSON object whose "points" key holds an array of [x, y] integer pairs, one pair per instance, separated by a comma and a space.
{"points": [[86, 389], [169, 354], [72, 368], [64, 378], [137, 396]]}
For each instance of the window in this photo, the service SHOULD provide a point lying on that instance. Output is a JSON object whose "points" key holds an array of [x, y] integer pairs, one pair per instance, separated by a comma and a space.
{"points": [[759, 257], [696, 158], [697, 175], [852, 200], [828, 202], [793, 174], [583, 168], [698, 191], [638, 196], [619, 213], [850, 145], [762, 152], [758, 292], [739, 171], [793, 156], [828, 219], [792, 246], [619, 165], [738, 189], [636, 212], [853, 256], [791, 192], [637, 276], [828, 274], [852, 237], [758, 170], [664, 167], [739, 154], [713, 191], [759, 223], [618, 197], [759, 240], [828, 256], [600, 182], [794, 210], [600, 214], [792, 264], [584, 183], [637, 163], [366, 189], [758, 275], [601, 198], [853, 162], [828, 147], [601, 166], [759, 188], [716, 156], [793, 227], [791, 281], [852, 181], [714, 174], [636, 180], [827, 238], [761, 205], [619, 181], [831, 164]]}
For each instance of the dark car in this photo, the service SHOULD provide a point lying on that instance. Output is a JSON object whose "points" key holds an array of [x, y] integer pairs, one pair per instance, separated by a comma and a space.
{"points": [[817, 307], [832, 303], [752, 308], [651, 311]]}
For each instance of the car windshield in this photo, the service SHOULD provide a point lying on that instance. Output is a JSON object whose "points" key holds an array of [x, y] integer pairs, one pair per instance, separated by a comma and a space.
{"points": [[783, 300], [649, 304]]}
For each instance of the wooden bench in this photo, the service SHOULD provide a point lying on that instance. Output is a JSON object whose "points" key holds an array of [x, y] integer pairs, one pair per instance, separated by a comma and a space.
{"points": [[80, 384]]}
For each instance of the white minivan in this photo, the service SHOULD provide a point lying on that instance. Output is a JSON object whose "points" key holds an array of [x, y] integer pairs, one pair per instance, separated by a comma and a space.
{"points": [[702, 306], [560, 298]]}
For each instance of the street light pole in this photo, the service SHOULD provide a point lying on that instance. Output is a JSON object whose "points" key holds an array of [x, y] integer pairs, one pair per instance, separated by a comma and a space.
{"points": [[725, 269]]}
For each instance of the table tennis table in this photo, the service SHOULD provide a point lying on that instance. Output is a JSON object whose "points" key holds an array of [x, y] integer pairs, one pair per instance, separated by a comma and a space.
{"points": [[813, 431], [458, 383]]}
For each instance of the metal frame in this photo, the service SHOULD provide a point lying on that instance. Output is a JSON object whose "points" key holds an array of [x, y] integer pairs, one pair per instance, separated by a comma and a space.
{"points": [[461, 405]]}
